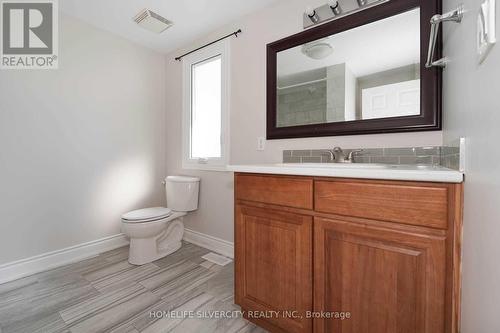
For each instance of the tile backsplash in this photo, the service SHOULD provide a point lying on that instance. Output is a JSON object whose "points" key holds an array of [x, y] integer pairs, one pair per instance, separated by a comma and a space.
{"points": [[436, 155], [450, 158]]}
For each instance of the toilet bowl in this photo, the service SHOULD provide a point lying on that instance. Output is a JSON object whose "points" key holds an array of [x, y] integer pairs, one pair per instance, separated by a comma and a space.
{"points": [[157, 231]]}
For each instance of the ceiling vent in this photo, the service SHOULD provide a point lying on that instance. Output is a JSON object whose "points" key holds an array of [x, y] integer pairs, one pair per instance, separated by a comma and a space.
{"points": [[151, 21]]}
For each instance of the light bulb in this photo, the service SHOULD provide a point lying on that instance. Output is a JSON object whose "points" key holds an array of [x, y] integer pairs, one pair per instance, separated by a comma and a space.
{"points": [[335, 7], [333, 3], [310, 11]]}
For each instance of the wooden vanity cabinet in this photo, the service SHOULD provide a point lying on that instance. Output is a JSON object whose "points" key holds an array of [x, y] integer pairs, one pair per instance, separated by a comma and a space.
{"points": [[388, 280], [274, 267], [386, 252]]}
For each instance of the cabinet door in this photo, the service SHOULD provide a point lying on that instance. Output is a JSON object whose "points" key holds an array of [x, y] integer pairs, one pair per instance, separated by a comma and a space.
{"points": [[274, 267], [390, 281]]}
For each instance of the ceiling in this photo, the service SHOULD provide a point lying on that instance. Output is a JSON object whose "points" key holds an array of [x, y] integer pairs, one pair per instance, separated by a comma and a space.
{"points": [[192, 18], [368, 49]]}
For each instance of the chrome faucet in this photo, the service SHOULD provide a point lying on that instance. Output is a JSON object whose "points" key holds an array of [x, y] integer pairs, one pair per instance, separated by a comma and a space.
{"points": [[337, 155], [352, 153]]}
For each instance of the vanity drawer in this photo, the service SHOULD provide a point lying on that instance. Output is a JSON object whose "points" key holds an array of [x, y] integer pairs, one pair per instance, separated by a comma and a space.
{"points": [[285, 191], [410, 203]]}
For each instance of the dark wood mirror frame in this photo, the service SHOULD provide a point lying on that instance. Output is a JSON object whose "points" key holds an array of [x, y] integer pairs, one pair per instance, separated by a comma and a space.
{"points": [[430, 78]]}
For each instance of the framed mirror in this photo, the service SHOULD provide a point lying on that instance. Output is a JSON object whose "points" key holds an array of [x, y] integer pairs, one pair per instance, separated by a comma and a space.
{"points": [[359, 74]]}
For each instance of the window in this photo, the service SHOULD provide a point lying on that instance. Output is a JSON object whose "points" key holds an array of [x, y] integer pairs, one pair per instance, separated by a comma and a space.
{"points": [[205, 121]]}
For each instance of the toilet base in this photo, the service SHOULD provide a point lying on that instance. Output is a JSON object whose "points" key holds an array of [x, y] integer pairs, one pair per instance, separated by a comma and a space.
{"points": [[146, 250]]}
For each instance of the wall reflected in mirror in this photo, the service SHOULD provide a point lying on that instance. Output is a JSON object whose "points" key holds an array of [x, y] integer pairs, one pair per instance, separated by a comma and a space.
{"points": [[372, 71]]}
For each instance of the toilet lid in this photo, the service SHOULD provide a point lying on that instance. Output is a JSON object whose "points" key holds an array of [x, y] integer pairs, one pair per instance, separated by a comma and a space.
{"points": [[152, 213]]}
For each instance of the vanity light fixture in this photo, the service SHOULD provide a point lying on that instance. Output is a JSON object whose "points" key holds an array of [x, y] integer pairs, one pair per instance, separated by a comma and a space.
{"points": [[313, 16], [335, 6], [333, 10]]}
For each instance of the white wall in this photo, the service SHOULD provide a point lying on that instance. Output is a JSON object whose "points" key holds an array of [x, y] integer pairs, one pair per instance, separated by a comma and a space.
{"points": [[472, 109], [248, 110], [79, 145]]}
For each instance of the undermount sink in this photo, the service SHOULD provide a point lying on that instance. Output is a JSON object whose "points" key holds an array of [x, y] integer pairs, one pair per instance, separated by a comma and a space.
{"points": [[359, 166]]}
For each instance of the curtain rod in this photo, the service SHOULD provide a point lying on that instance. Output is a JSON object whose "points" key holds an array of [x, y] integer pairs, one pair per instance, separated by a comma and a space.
{"points": [[215, 41]]}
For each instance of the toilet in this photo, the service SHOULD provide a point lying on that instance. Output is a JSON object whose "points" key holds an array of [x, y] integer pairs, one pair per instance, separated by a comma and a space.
{"points": [[157, 231]]}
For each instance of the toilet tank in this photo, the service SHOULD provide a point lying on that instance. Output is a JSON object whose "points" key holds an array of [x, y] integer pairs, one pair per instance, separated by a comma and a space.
{"points": [[182, 193]]}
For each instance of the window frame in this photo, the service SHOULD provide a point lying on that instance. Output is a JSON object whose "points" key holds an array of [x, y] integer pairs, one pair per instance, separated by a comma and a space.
{"points": [[221, 49]]}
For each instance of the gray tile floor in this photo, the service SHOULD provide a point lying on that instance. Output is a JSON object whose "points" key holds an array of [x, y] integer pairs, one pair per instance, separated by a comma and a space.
{"points": [[107, 294]]}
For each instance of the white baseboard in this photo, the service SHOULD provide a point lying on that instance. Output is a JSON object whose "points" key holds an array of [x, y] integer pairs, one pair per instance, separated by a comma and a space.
{"points": [[29, 266], [209, 242]]}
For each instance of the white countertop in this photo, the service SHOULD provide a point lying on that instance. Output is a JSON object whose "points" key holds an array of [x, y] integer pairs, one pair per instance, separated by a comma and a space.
{"points": [[357, 170]]}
